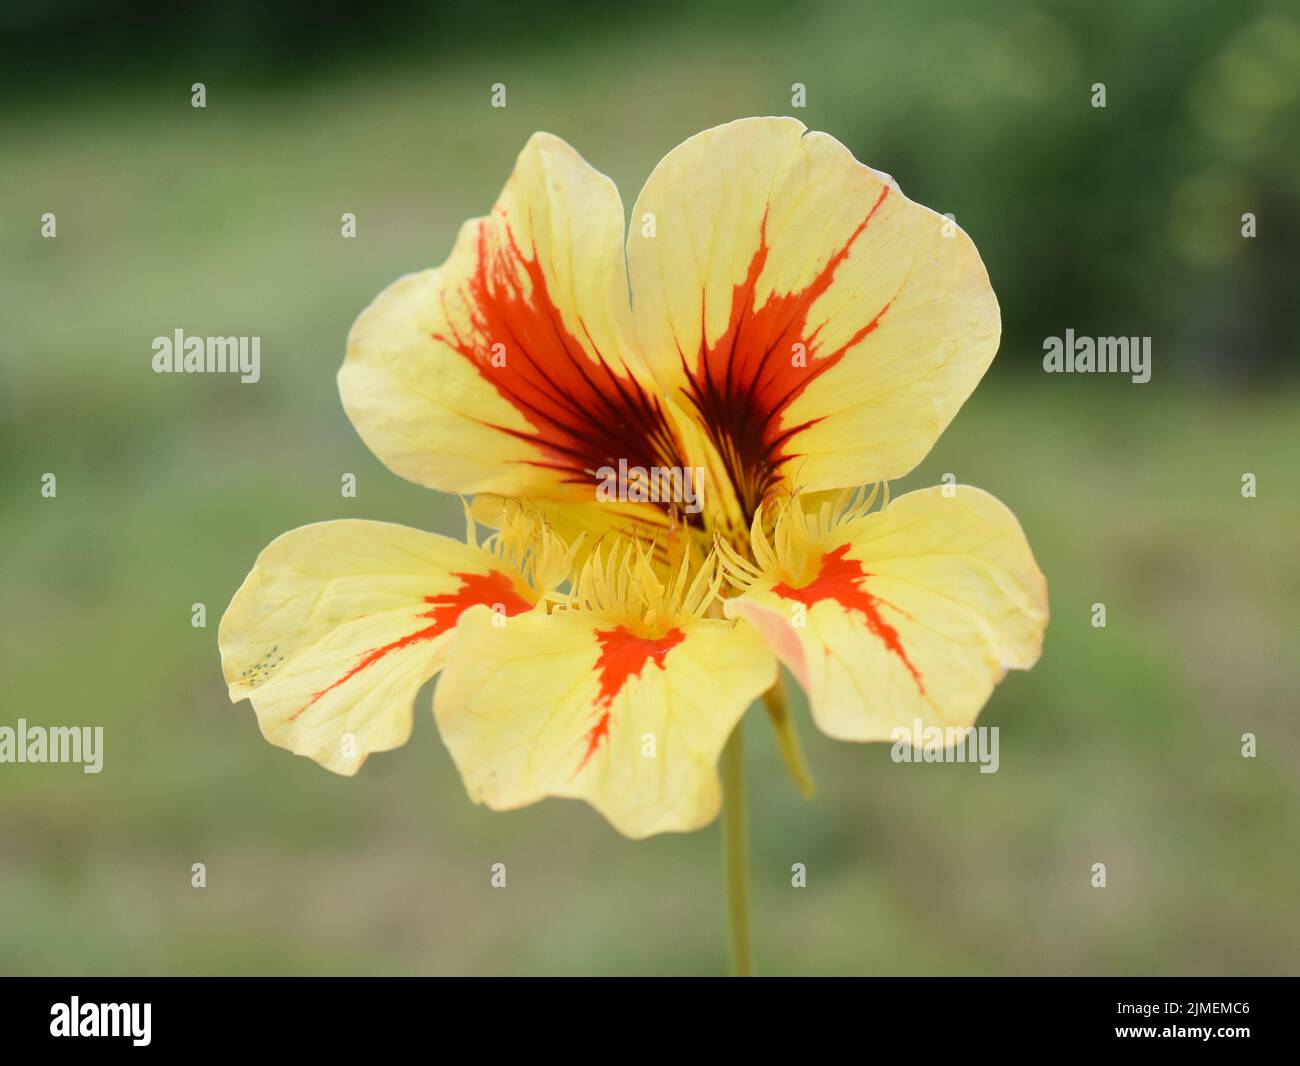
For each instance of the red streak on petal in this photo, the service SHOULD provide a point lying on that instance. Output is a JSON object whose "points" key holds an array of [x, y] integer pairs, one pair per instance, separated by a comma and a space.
{"points": [[599, 732], [584, 412], [841, 579], [491, 588], [742, 383], [623, 655]]}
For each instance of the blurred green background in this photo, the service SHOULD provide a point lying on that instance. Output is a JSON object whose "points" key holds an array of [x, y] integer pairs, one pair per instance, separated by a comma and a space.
{"points": [[1123, 746]]}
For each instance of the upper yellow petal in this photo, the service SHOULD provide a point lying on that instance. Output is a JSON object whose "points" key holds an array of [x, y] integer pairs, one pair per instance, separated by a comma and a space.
{"points": [[511, 369], [823, 327]]}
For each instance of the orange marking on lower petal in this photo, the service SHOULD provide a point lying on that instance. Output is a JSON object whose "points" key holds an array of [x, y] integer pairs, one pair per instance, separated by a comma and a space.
{"points": [[623, 655], [597, 733], [840, 578], [491, 589]]}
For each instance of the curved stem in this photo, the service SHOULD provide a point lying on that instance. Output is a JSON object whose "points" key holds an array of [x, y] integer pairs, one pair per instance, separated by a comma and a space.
{"points": [[787, 740], [735, 852]]}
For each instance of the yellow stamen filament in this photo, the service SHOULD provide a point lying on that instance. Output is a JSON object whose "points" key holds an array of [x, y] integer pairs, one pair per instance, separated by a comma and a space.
{"points": [[786, 547], [527, 545], [624, 585]]}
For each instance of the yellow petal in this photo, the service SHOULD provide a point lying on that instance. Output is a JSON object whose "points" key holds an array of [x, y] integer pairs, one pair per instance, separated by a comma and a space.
{"points": [[908, 614], [510, 369], [584, 705], [338, 625], [823, 327]]}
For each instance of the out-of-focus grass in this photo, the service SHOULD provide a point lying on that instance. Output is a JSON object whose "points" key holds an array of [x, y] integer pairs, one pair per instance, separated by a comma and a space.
{"points": [[1122, 746]]}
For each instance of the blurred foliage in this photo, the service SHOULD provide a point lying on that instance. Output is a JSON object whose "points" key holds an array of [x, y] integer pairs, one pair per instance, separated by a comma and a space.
{"points": [[1117, 221], [1122, 746]]}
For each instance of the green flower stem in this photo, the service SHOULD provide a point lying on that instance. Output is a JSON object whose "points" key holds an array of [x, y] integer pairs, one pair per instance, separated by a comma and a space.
{"points": [[787, 738], [735, 852]]}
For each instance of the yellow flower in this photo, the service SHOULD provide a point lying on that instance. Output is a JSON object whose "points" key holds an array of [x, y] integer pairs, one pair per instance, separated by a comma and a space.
{"points": [[782, 326]]}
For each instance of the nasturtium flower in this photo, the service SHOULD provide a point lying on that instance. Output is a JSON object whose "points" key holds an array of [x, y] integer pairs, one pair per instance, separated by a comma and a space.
{"points": [[780, 321]]}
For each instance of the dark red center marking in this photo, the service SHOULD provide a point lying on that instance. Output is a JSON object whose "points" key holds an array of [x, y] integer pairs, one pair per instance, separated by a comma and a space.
{"points": [[623, 655], [585, 414], [743, 382], [491, 588], [841, 579]]}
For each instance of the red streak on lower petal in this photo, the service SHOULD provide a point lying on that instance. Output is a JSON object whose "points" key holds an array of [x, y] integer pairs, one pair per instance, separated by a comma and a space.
{"points": [[491, 588], [743, 382], [598, 732], [841, 579], [623, 655], [446, 608]]}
